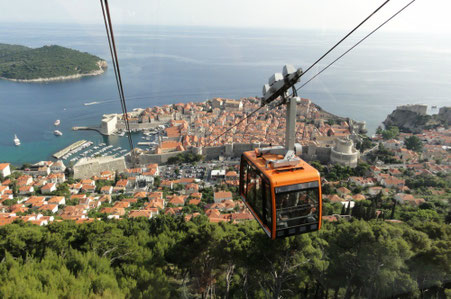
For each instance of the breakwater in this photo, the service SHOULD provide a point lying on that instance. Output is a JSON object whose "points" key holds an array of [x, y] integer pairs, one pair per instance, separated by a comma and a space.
{"points": [[67, 149]]}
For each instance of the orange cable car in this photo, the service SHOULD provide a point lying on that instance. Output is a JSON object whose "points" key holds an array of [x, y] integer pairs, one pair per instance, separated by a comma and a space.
{"points": [[285, 201]]}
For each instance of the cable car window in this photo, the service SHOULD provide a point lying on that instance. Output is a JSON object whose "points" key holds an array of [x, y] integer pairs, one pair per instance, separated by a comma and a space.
{"points": [[254, 191], [267, 205], [296, 208], [243, 176], [250, 194], [258, 203]]}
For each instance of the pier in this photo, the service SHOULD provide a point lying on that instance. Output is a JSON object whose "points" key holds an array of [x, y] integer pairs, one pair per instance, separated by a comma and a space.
{"points": [[65, 150], [87, 128]]}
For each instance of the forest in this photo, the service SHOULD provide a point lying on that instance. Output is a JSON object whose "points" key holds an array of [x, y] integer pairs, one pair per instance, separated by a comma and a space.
{"points": [[23, 63], [169, 257]]}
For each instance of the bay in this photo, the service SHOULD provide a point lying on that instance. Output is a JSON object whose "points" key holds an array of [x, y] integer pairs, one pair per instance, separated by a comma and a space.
{"points": [[165, 65]]}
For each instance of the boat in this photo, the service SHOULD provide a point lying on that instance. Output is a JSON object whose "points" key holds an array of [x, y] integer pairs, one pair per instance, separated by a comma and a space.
{"points": [[57, 133], [57, 122], [90, 103], [16, 140]]}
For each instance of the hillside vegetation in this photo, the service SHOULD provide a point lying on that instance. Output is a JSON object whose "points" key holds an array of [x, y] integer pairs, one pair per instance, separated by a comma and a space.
{"points": [[168, 257], [23, 63]]}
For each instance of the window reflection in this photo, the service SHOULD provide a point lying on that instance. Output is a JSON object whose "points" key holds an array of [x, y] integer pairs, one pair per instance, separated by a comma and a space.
{"points": [[297, 208]]}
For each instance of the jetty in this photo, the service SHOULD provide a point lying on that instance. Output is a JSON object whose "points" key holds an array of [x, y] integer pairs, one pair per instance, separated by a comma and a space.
{"points": [[87, 128], [67, 149]]}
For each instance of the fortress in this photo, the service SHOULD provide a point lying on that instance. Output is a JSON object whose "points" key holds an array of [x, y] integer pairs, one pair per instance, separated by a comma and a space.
{"points": [[417, 108]]}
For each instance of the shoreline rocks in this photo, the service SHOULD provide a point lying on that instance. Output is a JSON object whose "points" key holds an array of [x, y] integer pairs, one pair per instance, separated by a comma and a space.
{"points": [[102, 64]]}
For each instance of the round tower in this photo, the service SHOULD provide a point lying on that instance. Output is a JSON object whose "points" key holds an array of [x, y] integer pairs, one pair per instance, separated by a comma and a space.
{"points": [[344, 153], [343, 146]]}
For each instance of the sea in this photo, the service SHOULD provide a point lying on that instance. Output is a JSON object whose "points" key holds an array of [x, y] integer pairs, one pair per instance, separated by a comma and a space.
{"points": [[164, 65]]}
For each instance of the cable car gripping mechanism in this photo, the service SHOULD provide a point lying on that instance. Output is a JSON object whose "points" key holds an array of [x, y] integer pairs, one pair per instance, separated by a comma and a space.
{"points": [[278, 85]]}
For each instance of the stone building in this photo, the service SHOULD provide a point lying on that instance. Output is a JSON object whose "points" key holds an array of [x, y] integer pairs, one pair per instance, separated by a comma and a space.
{"points": [[109, 123], [417, 108]]}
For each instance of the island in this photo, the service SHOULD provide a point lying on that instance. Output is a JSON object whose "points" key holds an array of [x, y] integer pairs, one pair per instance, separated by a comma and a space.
{"points": [[47, 63]]}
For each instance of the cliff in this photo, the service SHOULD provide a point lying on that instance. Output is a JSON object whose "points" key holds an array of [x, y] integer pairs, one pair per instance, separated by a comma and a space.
{"points": [[410, 120]]}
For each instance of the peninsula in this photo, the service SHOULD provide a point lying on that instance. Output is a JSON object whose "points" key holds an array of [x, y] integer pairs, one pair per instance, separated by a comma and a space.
{"points": [[47, 63]]}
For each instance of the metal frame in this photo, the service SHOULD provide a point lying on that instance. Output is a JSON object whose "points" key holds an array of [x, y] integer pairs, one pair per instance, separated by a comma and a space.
{"points": [[278, 85], [291, 148]]}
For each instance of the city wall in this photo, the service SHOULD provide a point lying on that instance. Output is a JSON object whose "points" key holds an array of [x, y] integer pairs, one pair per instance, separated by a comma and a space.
{"points": [[210, 153], [86, 168], [140, 126], [313, 152]]}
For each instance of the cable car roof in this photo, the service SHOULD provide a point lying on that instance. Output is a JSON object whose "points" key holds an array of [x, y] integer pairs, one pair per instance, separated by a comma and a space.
{"points": [[300, 173]]}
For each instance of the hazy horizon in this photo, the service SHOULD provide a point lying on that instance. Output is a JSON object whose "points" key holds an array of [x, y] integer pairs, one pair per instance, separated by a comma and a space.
{"points": [[421, 16]]}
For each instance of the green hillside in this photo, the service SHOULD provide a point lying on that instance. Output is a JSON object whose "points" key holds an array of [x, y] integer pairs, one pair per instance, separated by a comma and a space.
{"points": [[19, 62]]}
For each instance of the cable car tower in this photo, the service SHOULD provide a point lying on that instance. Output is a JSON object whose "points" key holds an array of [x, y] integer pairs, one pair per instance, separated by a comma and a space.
{"points": [[281, 190]]}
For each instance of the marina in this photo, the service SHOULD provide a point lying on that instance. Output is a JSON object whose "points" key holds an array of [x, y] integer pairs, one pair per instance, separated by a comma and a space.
{"points": [[100, 150], [92, 149], [83, 149], [67, 149]]}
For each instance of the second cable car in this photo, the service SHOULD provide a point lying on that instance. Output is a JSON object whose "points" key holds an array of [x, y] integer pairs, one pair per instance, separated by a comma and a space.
{"points": [[285, 201]]}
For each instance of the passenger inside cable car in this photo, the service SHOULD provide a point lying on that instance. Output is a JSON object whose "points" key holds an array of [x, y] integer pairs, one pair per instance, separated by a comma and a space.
{"points": [[296, 208]]}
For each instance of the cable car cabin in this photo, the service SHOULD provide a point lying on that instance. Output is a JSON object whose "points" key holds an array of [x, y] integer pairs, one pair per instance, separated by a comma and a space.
{"points": [[285, 201]]}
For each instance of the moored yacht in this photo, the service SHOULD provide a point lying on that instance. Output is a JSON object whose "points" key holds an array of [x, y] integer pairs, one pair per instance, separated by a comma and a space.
{"points": [[16, 140], [57, 122], [57, 133]]}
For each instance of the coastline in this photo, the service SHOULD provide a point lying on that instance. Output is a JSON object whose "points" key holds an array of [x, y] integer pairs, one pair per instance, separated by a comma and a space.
{"points": [[101, 64]]}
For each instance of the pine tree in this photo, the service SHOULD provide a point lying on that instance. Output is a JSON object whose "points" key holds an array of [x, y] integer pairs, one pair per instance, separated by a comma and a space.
{"points": [[373, 213], [357, 210], [392, 216], [343, 210]]}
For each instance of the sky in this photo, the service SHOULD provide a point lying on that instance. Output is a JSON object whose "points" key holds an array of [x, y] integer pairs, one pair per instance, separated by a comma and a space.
{"points": [[430, 16]]}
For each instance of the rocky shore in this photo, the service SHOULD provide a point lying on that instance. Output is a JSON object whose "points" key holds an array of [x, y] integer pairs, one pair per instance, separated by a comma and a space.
{"points": [[414, 118]]}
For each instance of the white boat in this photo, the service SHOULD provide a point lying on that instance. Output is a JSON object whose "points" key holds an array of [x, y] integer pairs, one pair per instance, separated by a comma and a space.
{"points": [[57, 122], [16, 140], [57, 133], [91, 103]]}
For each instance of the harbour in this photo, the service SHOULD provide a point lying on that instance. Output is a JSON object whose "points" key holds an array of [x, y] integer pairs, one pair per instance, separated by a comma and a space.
{"points": [[32, 113]]}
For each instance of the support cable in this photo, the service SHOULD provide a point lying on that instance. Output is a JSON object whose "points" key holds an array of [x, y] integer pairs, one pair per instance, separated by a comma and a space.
{"points": [[355, 45], [115, 61], [324, 55], [329, 65], [345, 37]]}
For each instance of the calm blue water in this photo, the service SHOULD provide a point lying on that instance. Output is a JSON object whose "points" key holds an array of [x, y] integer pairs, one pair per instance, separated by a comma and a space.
{"points": [[162, 65]]}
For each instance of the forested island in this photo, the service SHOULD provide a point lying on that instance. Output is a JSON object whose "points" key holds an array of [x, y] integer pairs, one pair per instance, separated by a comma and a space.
{"points": [[47, 63]]}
